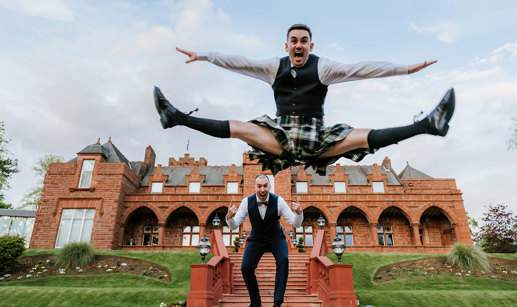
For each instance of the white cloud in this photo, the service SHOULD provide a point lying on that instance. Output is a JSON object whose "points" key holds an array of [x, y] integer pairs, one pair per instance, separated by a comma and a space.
{"points": [[444, 31], [50, 9], [508, 52]]}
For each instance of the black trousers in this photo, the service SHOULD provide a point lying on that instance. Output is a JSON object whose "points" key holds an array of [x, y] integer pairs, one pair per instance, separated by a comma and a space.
{"points": [[252, 254]]}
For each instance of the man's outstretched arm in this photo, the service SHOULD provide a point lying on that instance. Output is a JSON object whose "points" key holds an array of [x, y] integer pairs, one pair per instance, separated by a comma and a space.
{"points": [[264, 70], [416, 67]]}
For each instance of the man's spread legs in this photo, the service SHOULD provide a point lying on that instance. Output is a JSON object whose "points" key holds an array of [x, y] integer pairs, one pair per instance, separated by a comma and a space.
{"points": [[436, 123], [255, 135]]}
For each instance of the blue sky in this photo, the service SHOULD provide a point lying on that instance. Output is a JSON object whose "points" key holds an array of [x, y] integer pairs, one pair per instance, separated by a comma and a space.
{"points": [[74, 71]]}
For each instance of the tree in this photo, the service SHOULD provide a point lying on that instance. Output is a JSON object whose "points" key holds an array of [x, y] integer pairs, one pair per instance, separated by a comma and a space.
{"points": [[512, 141], [499, 232], [32, 199], [473, 224], [8, 166]]}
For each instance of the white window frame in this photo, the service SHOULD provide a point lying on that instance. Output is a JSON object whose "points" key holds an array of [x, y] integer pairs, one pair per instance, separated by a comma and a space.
{"points": [[302, 187], [232, 187], [77, 214], [340, 187], [194, 187], [157, 187], [378, 187], [86, 174]]}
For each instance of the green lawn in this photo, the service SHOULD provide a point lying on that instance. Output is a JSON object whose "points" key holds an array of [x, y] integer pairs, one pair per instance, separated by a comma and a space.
{"points": [[133, 290]]}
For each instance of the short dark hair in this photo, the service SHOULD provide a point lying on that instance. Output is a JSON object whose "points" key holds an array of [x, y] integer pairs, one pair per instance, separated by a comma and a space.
{"points": [[299, 26]]}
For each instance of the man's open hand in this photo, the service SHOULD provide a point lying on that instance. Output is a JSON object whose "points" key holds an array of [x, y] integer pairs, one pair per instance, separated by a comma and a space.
{"points": [[192, 56]]}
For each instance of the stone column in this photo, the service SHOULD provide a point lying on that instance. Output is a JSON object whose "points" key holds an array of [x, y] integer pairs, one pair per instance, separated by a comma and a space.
{"points": [[332, 231], [161, 233], [375, 242], [416, 234]]}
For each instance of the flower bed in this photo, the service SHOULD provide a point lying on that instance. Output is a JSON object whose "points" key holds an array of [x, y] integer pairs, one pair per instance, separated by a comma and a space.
{"points": [[43, 266], [501, 269]]}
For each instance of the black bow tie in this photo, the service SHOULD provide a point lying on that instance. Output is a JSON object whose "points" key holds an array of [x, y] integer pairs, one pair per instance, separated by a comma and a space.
{"points": [[262, 203]]}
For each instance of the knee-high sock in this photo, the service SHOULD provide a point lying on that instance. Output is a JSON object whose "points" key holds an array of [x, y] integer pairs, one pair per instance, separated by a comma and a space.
{"points": [[384, 137], [213, 127]]}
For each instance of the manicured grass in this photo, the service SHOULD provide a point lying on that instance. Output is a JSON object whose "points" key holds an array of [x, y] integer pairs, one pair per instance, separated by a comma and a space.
{"points": [[422, 290], [105, 290], [132, 290]]}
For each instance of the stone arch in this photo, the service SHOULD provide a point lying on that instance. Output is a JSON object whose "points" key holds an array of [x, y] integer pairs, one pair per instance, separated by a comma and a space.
{"points": [[176, 206], [141, 227], [182, 227], [152, 207], [221, 212], [180, 207], [445, 210], [381, 209], [366, 214], [394, 227], [436, 227]]}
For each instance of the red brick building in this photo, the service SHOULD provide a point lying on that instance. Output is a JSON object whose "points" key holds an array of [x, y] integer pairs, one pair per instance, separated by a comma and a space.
{"points": [[102, 198]]}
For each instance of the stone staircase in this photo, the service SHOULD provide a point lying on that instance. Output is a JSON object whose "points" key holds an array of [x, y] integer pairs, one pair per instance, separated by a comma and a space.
{"points": [[295, 295]]}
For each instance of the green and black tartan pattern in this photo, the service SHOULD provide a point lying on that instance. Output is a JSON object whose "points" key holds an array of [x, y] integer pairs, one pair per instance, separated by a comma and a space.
{"points": [[303, 140]]}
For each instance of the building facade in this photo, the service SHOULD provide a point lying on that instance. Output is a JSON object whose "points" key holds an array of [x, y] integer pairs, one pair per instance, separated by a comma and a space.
{"points": [[102, 198]]}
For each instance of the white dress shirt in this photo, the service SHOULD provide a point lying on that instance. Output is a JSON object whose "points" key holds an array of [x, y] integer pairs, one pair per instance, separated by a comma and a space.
{"points": [[283, 210], [329, 72]]}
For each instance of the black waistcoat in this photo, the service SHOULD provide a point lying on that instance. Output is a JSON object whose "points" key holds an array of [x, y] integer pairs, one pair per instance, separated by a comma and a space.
{"points": [[303, 95], [269, 228]]}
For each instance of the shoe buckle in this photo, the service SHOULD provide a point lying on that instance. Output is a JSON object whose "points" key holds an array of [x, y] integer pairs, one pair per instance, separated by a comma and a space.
{"points": [[418, 117]]}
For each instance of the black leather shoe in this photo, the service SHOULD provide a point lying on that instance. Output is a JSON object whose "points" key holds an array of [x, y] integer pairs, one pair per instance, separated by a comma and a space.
{"points": [[169, 115], [277, 304], [441, 115]]}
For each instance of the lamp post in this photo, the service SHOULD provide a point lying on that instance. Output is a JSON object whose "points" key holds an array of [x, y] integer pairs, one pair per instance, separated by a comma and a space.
{"points": [[338, 247], [321, 221], [294, 240], [203, 248], [216, 221]]}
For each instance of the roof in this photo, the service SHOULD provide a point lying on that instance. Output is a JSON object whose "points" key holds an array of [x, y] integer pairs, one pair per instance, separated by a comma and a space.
{"points": [[357, 174], [411, 173], [176, 175], [18, 213], [109, 150]]}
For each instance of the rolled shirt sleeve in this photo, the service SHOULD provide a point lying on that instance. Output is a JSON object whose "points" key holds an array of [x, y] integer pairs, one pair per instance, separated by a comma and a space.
{"points": [[292, 218], [239, 217]]}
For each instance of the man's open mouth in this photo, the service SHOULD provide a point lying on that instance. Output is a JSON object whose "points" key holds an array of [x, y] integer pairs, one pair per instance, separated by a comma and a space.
{"points": [[298, 54]]}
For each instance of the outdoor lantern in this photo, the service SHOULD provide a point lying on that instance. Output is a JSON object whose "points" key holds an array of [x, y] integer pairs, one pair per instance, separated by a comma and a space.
{"points": [[216, 221], [203, 248], [294, 240], [241, 241], [244, 233], [338, 247], [291, 233], [321, 221]]}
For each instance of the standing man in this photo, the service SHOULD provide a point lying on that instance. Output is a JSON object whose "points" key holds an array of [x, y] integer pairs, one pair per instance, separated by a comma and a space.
{"points": [[297, 136], [264, 210]]}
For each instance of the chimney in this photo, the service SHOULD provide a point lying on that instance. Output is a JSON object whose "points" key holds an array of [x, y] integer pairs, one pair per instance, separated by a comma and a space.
{"points": [[150, 156]]}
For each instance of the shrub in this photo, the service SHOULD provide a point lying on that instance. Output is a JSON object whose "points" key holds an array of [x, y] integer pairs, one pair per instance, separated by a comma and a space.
{"points": [[11, 247], [75, 255], [236, 244], [300, 245], [468, 257]]}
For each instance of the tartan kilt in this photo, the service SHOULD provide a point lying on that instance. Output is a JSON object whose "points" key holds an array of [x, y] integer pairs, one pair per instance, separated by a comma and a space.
{"points": [[303, 140]]}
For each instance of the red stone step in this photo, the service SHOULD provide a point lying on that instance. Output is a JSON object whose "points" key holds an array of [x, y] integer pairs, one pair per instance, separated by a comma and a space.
{"points": [[295, 295], [290, 300]]}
